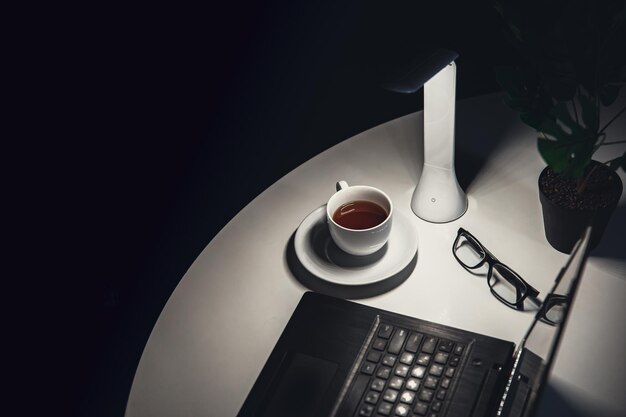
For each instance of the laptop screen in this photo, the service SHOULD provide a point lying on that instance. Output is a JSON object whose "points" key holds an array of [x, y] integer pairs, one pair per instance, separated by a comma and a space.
{"points": [[537, 350]]}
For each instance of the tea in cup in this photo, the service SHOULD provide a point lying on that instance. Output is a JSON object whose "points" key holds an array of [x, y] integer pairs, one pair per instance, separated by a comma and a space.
{"points": [[359, 218]]}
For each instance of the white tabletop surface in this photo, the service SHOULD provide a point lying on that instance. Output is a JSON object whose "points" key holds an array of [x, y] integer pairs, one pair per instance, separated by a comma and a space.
{"points": [[222, 321]]}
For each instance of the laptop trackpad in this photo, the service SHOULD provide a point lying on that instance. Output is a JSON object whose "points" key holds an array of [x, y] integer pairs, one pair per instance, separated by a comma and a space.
{"points": [[300, 385]]}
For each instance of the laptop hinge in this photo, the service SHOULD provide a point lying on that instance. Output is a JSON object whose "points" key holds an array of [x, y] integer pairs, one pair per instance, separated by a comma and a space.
{"points": [[486, 402]]}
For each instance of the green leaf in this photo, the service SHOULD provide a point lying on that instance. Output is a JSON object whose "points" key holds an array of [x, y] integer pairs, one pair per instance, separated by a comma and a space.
{"points": [[555, 130], [544, 105], [553, 154], [569, 157], [563, 114], [589, 111], [539, 110]]}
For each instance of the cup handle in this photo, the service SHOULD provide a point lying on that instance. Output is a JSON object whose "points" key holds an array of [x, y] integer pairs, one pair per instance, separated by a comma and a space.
{"points": [[341, 185]]}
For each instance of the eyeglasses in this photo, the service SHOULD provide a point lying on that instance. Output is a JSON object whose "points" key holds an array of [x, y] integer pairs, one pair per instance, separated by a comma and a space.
{"points": [[505, 284], [553, 309]]}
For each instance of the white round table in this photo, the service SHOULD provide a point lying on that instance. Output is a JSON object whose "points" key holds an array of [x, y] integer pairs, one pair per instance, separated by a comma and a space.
{"points": [[223, 319]]}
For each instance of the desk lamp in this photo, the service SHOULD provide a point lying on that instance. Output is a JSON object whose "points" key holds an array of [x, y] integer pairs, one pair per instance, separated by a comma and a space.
{"points": [[437, 198]]}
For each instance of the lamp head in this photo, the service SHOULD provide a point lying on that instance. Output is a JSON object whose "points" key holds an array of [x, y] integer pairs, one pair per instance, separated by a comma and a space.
{"points": [[412, 76]]}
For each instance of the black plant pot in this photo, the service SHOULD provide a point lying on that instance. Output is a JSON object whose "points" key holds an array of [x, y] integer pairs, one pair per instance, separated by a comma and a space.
{"points": [[564, 225]]}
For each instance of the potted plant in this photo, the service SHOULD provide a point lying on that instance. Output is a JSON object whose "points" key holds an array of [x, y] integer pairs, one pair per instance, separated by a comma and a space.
{"points": [[573, 68]]}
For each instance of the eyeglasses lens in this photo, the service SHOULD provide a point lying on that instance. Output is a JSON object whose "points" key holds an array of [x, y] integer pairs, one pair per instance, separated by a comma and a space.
{"points": [[555, 313], [506, 284], [468, 251]]}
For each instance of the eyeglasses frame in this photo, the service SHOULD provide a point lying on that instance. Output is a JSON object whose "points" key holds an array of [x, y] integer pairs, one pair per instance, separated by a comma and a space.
{"points": [[551, 301], [491, 260]]}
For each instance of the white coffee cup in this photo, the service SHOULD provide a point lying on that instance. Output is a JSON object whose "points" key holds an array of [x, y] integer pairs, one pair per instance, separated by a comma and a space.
{"points": [[359, 241]]}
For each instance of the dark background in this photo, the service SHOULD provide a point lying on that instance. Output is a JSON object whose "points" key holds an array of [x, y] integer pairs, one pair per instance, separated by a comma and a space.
{"points": [[168, 121]]}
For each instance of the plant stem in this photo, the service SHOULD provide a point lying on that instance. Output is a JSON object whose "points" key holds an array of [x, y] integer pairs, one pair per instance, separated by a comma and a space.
{"points": [[602, 137], [613, 119], [613, 143], [582, 185]]}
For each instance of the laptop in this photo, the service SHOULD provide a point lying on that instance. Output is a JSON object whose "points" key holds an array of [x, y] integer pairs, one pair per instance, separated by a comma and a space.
{"points": [[337, 358]]}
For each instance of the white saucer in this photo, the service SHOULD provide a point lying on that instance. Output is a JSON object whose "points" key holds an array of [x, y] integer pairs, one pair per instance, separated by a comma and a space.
{"points": [[319, 255]]}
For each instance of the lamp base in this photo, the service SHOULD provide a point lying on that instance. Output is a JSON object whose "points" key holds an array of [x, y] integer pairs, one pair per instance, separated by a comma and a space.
{"points": [[438, 198]]}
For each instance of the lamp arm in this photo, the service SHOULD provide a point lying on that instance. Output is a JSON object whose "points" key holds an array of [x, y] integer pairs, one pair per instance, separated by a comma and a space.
{"points": [[438, 198]]}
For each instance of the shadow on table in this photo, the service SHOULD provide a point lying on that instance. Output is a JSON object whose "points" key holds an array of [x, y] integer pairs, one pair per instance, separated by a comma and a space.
{"points": [[304, 277], [558, 402], [477, 139], [612, 243], [554, 403]]}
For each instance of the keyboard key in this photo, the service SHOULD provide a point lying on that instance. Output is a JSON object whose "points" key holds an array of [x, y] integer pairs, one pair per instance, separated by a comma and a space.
{"points": [[431, 382], [402, 370], [390, 395], [385, 408], [396, 382], [402, 410], [436, 370], [374, 356], [378, 385], [442, 357], [446, 346], [389, 360], [418, 371], [407, 358], [412, 384], [368, 368], [379, 344], [407, 397], [413, 342], [383, 372], [423, 359], [385, 331], [429, 344], [426, 395], [366, 410], [421, 409], [372, 397], [397, 341]]}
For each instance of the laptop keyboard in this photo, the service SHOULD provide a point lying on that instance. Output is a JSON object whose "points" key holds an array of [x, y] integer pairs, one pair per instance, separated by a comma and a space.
{"points": [[411, 373]]}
